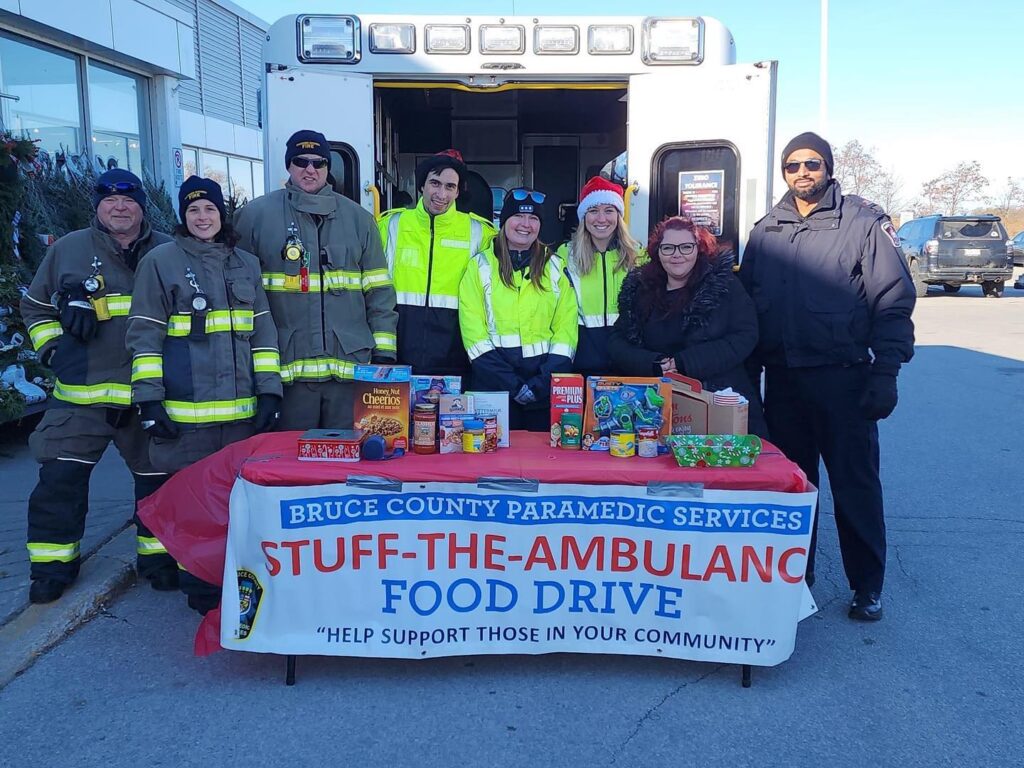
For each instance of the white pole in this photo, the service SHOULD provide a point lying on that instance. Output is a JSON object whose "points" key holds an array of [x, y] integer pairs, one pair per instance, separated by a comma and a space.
{"points": [[823, 73]]}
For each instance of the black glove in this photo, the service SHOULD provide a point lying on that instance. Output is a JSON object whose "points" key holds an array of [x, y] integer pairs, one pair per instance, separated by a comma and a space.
{"points": [[381, 360], [879, 398], [156, 422], [268, 409], [77, 316]]}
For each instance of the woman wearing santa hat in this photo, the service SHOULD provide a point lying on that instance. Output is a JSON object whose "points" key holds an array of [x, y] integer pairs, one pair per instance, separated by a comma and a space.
{"points": [[517, 313], [599, 256]]}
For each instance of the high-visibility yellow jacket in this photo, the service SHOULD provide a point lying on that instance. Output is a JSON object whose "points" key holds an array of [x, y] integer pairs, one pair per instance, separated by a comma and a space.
{"points": [[427, 257], [518, 335], [209, 378], [597, 296], [96, 372]]}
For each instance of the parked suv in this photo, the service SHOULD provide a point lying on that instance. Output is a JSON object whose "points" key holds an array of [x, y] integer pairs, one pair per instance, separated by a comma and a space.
{"points": [[953, 250], [1018, 249]]}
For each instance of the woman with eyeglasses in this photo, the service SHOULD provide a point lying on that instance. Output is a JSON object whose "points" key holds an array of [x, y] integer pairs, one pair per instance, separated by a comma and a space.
{"points": [[686, 312], [517, 314], [599, 256]]}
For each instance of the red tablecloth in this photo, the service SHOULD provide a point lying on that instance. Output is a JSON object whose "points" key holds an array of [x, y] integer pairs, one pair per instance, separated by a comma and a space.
{"points": [[189, 514]]}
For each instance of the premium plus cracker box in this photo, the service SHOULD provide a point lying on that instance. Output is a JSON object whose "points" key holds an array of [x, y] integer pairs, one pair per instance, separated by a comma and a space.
{"points": [[382, 405], [566, 410]]}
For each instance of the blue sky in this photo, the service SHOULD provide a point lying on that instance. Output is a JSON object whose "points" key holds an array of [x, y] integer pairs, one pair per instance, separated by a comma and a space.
{"points": [[915, 79]]}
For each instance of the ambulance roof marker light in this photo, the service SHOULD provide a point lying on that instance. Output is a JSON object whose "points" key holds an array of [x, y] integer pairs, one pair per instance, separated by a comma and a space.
{"points": [[393, 38], [556, 40], [446, 38], [672, 40], [610, 39], [328, 39]]}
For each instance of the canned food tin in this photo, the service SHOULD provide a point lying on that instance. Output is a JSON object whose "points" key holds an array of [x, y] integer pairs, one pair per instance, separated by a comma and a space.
{"points": [[646, 442], [473, 436], [622, 444]]}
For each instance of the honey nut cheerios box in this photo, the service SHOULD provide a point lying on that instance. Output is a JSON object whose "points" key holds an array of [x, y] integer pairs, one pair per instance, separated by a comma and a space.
{"points": [[381, 403]]}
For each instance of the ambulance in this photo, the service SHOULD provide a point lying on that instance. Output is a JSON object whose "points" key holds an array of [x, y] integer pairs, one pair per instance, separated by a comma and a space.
{"points": [[656, 103]]}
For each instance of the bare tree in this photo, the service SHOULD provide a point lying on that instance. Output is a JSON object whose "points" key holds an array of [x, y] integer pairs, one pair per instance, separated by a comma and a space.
{"points": [[856, 169], [1009, 198], [888, 191], [949, 192]]}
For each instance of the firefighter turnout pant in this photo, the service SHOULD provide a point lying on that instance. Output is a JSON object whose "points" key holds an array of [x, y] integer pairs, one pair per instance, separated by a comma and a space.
{"points": [[67, 443]]}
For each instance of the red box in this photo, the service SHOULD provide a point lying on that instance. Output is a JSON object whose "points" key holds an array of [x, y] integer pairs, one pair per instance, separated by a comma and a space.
{"points": [[330, 444], [567, 393]]}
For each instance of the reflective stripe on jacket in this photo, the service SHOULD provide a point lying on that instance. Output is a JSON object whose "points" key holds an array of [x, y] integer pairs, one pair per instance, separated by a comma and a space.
{"points": [[347, 312], [212, 377], [96, 372], [427, 258]]}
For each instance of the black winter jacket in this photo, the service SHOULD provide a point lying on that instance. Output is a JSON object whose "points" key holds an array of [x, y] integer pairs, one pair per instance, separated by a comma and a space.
{"points": [[720, 332], [829, 287]]}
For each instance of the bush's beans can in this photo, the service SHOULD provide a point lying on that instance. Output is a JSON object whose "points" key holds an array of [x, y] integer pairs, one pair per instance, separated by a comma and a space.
{"points": [[647, 442], [622, 444]]}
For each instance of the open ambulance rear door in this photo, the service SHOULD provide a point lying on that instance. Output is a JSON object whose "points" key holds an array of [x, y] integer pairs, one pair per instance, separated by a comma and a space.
{"points": [[700, 142]]}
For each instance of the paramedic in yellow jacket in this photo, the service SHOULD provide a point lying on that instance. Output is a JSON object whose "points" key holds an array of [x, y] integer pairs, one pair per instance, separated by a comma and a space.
{"points": [[599, 256], [517, 312], [427, 249], [327, 282]]}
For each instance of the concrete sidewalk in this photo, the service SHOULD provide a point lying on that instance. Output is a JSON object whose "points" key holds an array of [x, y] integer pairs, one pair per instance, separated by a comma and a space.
{"points": [[108, 554]]}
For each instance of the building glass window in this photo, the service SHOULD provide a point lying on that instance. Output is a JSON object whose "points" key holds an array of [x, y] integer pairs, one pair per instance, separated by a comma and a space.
{"points": [[257, 180], [240, 178], [216, 167], [190, 161], [46, 90], [116, 116]]}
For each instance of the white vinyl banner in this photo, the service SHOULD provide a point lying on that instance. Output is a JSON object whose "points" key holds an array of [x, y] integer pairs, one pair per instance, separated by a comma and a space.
{"points": [[446, 569]]}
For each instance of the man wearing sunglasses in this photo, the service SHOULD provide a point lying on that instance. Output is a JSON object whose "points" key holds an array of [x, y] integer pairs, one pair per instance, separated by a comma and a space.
{"points": [[428, 248], [834, 300], [76, 310], [325, 276]]}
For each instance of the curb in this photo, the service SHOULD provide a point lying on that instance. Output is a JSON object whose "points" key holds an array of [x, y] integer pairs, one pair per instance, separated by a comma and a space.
{"points": [[39, 628]]}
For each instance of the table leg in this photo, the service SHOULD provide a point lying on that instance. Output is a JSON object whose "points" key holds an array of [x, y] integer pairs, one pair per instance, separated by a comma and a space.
{"points": [[746, 675], [289, 676]]}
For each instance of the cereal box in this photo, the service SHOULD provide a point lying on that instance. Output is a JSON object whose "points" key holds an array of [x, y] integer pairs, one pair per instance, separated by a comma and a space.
{"points": [[453, 410], [625, 403], [493, 404], [382, 402], [566, 410], [428, 389]]}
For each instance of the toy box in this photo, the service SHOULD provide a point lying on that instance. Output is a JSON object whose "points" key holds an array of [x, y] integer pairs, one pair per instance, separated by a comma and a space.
{"points": [[625, 403], [382, 402], [695, 410], [493, 404], [453, 411], [567, 398], [428, 389]]}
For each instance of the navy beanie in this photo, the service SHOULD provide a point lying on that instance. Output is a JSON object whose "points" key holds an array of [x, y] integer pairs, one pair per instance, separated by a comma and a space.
{"points": [[510, 207], [307, 143], [812, 141], [198, 188], [118, 181]]}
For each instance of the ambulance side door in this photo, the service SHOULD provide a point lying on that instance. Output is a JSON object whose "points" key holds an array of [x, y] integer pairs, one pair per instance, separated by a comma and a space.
{"points": [[338, 105], [700, 143]]}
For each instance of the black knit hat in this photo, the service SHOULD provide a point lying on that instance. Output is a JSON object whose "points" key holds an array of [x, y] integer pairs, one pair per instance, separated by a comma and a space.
{"points": [[450, 158], [510, 206], [118, 181], [307, 143], [811, 141], [198, 188]]}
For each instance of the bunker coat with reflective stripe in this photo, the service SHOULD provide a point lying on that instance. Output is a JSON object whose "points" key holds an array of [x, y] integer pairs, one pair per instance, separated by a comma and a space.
{"points": [[95, 372], [214, 377], [518, 335], [597, 296], [347, 312], [427, 257]]}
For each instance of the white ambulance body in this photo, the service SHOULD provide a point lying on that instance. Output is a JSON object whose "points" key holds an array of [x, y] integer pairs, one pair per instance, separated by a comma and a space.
{"points": [[543, 102]]}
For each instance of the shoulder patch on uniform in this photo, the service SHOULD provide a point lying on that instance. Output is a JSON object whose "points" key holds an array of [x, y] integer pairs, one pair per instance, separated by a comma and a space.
{"points": [[890, 232]]}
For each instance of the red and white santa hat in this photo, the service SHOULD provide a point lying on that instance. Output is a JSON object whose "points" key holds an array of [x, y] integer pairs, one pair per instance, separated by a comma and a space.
{"points": [[600, 191]]}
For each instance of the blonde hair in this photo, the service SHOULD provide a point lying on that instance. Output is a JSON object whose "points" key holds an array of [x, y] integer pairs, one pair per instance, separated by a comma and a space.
{"points": [[582, 250]]}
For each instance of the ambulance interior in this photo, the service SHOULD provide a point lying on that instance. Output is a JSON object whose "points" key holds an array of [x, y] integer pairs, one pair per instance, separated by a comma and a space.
{"points": [[547, 138]]}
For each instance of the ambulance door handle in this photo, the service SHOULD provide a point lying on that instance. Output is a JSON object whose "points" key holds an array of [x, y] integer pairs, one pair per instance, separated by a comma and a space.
{"points": [[372, 191], [632, 190]]}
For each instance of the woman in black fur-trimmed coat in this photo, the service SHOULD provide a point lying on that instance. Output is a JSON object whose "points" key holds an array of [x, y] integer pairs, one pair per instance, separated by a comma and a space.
{"points": [[685, 311]]}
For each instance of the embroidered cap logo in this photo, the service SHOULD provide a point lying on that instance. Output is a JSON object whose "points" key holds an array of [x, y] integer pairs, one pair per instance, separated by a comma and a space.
{"points": [[308, 145], [195, 194]]}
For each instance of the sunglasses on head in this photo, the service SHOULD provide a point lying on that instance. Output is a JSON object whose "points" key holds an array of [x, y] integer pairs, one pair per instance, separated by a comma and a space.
{"points": [[305, 162], [521, 194], [810, 165], [117, 188]]}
